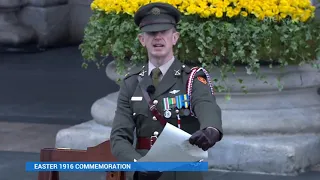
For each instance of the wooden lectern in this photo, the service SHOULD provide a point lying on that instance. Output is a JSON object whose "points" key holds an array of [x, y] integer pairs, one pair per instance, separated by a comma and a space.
{"points": [[99, 153]]}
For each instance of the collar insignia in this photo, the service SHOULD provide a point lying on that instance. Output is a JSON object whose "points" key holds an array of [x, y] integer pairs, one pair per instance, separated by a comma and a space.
{"points": [[177, 72], [142, 73]]}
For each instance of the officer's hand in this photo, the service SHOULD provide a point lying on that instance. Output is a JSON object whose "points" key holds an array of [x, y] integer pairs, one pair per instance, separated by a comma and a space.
{"points": [[205, 138], [144, 175]]}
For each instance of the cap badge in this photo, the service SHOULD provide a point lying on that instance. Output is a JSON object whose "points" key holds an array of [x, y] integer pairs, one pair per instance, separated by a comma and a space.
{"points": [[155, 11]]}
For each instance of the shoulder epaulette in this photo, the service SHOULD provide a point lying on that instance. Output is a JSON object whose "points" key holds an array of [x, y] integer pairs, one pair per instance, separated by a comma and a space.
{"points": [[186, 69], [134, 71]]}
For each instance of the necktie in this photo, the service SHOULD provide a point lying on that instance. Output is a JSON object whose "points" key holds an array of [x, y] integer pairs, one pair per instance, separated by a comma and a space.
{"points": [[155, 74]]}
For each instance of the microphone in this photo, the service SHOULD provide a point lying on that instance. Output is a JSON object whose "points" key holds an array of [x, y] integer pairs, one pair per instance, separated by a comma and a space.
{"points": [[151, 89]]}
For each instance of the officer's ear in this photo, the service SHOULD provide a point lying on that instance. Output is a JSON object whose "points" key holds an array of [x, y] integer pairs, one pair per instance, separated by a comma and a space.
{"points": [[141, 39], [175, 36]]}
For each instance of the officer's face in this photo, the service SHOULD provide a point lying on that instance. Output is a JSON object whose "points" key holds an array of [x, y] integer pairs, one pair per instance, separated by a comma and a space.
{"points": [[159, 44]]}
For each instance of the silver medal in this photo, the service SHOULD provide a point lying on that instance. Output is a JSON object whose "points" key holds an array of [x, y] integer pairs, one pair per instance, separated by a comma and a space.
{"points": [[167, 114]]}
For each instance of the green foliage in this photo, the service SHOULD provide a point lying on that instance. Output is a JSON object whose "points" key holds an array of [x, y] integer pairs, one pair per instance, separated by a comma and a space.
{"points": [[211, 43]]}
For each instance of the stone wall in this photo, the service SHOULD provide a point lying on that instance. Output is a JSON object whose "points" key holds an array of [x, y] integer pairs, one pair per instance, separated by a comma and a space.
{"points": [[12, 31], [45, 23], [49, 19]]}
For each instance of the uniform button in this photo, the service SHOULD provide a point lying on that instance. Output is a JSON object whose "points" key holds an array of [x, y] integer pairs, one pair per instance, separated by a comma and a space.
{"points": [[156, 133], [154, 118], [134, 114], [155, 102]]}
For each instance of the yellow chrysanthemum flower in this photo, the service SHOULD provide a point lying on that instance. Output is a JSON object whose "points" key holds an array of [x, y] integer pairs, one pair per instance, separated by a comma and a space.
{"points": [[299, 10], [244, 14]]}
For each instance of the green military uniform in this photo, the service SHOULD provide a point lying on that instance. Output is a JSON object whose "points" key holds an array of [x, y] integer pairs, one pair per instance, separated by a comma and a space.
{"points": [[133, 114]]}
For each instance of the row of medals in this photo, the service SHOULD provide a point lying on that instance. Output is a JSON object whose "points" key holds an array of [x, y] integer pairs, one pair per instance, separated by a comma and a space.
{"points": [[180, 103]]}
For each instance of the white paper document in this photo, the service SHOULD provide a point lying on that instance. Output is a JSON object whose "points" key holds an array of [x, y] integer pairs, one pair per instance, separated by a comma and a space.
{"points": [[173, 146]]}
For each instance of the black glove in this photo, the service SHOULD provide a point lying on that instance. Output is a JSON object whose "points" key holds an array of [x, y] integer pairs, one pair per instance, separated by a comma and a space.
{"points": [[205, 138], [144, 175]]}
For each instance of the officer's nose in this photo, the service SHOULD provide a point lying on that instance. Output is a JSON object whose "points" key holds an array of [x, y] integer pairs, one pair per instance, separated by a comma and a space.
{"points": [[157, 34]]}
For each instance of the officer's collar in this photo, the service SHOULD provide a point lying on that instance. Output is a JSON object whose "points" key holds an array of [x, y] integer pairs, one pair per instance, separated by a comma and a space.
{"points": [[163, 68]]}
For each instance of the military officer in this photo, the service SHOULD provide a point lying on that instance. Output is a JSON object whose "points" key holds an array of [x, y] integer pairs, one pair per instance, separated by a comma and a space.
{"points": [[181, 95]]}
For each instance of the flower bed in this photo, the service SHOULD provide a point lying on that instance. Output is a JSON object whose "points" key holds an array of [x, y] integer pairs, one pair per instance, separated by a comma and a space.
{"points": [[219, 34]]}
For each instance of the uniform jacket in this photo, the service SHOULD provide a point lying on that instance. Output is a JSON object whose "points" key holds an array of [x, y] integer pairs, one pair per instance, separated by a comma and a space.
{"points": [[133, 115]]}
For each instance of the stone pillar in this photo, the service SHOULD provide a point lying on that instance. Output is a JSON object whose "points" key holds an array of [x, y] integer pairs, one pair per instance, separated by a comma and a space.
{"points": [[13, 32], [50, 19]]}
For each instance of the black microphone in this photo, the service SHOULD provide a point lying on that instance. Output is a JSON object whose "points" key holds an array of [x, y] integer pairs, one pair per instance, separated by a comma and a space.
{"points": [[151, 89]]}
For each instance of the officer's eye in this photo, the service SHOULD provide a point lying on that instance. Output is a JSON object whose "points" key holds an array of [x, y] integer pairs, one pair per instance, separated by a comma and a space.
{"points": [[158, 32], [151, 33]]}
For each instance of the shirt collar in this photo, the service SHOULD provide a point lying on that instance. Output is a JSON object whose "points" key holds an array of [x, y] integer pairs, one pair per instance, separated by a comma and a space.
{"points": [[164, 68]]}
